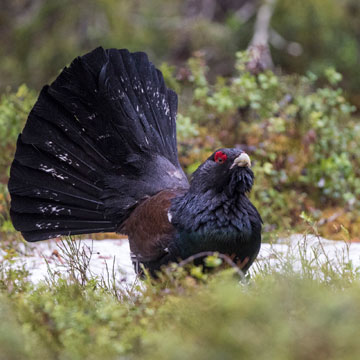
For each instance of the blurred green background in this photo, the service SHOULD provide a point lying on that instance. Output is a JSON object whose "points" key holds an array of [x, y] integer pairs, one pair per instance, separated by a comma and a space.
{"points": [[38, 37], [298, 119]]}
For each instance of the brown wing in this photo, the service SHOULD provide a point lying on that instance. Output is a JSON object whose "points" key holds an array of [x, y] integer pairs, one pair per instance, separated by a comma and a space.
{"points": [[148, 227]]}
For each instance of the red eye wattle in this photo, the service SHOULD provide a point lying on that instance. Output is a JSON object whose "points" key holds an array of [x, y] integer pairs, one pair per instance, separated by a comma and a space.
{"points": [[220, 157]]}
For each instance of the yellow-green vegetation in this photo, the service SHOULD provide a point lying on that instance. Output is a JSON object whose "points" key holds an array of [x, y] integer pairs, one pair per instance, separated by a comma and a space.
{"points": [[307, 310], [14, 109]]}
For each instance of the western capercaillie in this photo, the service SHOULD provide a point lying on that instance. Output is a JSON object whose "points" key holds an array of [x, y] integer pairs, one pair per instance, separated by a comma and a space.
{"points": [[98, 153]]}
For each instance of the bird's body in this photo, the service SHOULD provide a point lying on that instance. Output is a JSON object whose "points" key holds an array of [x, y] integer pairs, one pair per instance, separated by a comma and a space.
{"points": [[98, 154]]}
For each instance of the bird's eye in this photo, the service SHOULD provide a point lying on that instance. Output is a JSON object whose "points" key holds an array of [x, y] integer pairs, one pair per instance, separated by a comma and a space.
{"points": [[220, 157]]}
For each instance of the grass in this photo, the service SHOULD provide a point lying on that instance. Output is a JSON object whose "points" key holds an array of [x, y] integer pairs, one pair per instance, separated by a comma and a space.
{"points": [[288, 309]]}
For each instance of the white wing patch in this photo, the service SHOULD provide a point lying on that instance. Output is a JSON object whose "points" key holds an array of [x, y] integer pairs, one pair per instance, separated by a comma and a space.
{"points": [[169, 216]]}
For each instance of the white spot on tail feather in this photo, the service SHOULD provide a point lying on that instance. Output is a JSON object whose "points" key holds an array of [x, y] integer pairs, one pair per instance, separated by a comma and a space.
{"points": [[52, 209], [64, 157], [52, 171], [43, 225]]}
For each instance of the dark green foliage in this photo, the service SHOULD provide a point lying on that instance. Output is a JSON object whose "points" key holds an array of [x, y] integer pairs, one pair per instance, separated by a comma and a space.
{"points": [[14, 110], [328, 31], [302, 136]]}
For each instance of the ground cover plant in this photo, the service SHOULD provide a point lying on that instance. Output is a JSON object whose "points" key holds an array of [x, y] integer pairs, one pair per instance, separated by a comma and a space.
{"points": [[302, 311]]}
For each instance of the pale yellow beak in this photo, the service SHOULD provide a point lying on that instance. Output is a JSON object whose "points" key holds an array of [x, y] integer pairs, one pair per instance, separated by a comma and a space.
{"points": [[243, 160]]}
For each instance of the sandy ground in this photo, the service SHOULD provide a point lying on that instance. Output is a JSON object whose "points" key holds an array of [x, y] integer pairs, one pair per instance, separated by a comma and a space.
{"points": [[105, 255]]}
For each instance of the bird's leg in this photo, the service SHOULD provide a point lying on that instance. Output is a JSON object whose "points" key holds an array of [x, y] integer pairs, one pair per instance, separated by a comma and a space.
{"points": [[242, 264]]}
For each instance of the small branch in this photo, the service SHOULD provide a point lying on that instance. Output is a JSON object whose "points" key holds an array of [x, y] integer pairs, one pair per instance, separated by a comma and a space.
{"points": [[262, 23], [200, 9], [208, 8], [246, 11], [276, 40], [259, 45], [331, 218]]}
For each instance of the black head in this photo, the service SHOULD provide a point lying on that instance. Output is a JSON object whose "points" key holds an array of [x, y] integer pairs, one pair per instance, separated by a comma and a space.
{"points": [[226, 170]]}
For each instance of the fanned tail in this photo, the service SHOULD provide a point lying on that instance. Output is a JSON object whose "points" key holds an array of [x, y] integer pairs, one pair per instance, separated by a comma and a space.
{"points": [[99, 140]]}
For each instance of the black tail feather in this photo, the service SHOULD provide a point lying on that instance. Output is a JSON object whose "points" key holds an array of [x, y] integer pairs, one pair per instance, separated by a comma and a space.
{"points": [[57, 225], [39, 235], [27, 205], [61, 128], [31, 157], [35, 228], [100, 139], [26, 177]]}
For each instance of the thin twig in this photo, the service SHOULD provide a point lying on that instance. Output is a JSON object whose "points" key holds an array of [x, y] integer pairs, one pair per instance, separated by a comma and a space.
{"points": [[262, 23], [259, 45], [246, 11]]}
